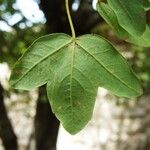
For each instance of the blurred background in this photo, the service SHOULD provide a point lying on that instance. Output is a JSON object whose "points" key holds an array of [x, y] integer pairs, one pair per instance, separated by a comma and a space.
{"points": [[26, 120]]}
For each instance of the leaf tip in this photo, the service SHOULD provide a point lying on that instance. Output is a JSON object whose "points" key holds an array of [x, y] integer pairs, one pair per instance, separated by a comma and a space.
{"points": [[72, 130]]}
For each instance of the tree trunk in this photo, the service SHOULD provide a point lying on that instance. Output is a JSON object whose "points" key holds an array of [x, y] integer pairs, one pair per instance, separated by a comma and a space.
{"points": [[7, 134], [46, 125]]}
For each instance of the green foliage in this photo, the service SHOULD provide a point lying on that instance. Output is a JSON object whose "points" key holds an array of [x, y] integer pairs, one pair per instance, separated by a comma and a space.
{"points": [[73, 69], [146, 4], [112, 19], [108, 14], [140, 63], [13, 43], [130, 15], [7, 6]]}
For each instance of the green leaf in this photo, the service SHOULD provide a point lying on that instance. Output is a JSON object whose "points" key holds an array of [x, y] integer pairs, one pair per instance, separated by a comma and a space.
{"points": [[30, 70], [143, 40], [146, 4], [110, 17], [73, 69], [130, 15]]}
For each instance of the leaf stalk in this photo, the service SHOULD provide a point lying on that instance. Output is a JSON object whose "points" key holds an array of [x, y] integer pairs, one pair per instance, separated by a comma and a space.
{"points": [[70, 19]]}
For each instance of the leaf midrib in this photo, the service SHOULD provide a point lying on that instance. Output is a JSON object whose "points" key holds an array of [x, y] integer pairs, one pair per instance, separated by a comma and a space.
{"points": [[71, 75]]}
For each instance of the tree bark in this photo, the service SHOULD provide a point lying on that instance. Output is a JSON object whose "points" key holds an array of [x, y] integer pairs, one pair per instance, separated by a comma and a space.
{"points": [[46, 125], [7, 134]]}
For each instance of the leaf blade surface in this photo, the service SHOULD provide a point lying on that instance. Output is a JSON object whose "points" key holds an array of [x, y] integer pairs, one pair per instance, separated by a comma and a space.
{"points": [[29, 72], [130, 15], [110, 17], [73, 69]]}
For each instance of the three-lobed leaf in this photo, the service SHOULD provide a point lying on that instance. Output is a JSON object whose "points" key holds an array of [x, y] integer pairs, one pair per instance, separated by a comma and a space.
{"points": [[73, 69]]}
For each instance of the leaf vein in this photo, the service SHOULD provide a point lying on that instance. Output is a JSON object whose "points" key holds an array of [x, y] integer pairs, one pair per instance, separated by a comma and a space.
{"points": [[56, 51], [106, 68]]}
